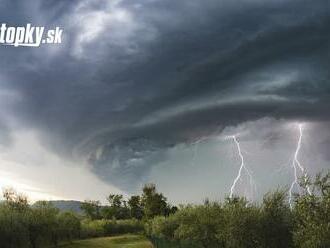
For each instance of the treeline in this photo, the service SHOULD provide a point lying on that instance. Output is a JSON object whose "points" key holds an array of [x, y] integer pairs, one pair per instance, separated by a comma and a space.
{"points": [[22, 225], [148, 205], [43, 225], [234, 223], [237, 223]]}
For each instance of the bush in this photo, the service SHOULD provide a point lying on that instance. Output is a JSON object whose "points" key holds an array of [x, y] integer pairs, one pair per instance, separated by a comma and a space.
{"points": [[233, 224], [41, 225], [99, 228], [13, 228], [123, 226], [92, 228], [312, 216], [69, 226]]}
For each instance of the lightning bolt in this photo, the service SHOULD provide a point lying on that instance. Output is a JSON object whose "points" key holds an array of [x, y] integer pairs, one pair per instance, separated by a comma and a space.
{"points": [[297, 166], [241, 168]]}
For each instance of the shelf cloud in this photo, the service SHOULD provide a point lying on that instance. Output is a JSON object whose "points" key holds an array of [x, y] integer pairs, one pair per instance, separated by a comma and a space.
{"points": [[135, 83]]}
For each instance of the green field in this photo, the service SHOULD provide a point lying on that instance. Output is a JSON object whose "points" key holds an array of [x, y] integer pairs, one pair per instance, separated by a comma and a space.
{"points": [[124, 241]]}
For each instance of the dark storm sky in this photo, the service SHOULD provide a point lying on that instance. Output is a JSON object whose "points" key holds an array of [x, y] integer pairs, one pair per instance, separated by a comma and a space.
{"points": [[134, 83]]}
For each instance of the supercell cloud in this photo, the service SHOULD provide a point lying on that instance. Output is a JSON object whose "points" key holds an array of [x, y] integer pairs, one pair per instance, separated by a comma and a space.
{"points": [[135, 83]]}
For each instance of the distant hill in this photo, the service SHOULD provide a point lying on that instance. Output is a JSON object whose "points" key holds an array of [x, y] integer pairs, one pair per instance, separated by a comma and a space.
{"points": [[68, 206], [63, 205]]}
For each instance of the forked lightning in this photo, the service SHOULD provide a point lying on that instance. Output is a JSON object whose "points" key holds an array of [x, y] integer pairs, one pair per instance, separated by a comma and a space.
{"points": [[297, 165], [241, 168]]}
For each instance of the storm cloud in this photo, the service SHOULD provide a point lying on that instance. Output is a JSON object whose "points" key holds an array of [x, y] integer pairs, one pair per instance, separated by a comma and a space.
{"points": [[135, 82]]}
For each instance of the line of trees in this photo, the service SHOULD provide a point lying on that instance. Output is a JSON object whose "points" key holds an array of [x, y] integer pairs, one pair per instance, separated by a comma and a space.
{"points": [[148, 205], [237, 223], [234, 223], [23, 225]]}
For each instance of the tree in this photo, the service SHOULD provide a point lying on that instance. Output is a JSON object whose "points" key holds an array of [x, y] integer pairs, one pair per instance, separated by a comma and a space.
{"points": [[117, 208], [241, 225], [135, 207], [13, 221], [69, 226], [115, 200], [14, 200], [312, 215], [91, 209], [22, 225], [41, 222], [154, 203], [276, 221], [198, 225]]}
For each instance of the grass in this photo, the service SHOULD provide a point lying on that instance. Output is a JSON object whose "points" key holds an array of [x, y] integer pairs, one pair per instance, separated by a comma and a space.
{"points": [[124, 241]]}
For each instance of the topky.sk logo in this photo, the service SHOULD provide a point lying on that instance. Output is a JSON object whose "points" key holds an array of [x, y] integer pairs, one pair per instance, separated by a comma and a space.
{"points": [[29, 36]]}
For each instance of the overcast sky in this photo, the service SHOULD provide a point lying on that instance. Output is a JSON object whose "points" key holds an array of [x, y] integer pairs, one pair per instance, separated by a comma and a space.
{"points": [[147, 91]]}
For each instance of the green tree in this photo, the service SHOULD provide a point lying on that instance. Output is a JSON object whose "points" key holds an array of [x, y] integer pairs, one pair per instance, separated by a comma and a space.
{"points": [[135, 207], [199, 225], [154, 203], [41, 222], [68, 226], [91, 209], [117, 208], [115, 200], [39, 225], [312, 215], [276, 221], [241, 225]]}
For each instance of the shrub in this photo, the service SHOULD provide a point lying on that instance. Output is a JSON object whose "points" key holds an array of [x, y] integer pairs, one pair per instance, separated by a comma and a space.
{"points": [[234, 224], [98, 228], [41, 225]]}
